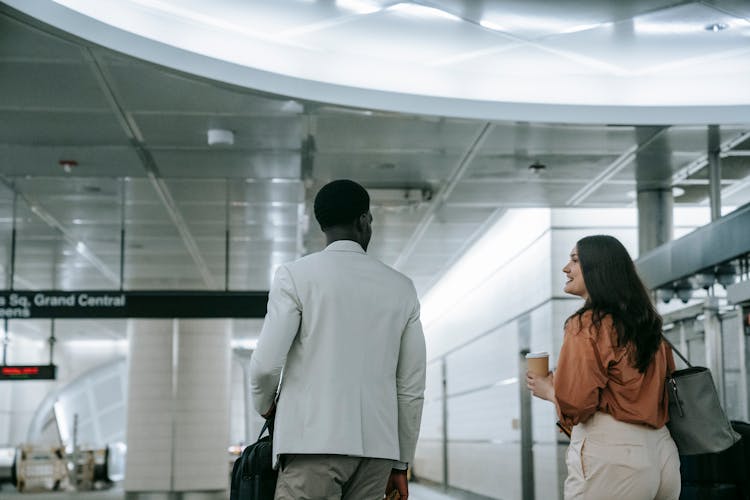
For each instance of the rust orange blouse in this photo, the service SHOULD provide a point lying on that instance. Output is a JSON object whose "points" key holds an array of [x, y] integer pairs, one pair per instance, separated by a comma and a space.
{"points": [[594, 374]]}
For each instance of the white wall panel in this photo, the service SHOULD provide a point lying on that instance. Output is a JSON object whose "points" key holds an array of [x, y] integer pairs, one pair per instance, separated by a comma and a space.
{"points": [[488, 360], [484, 415], [509, 289], [490, 469], [432, 420], [477, 333], [428, 460]]}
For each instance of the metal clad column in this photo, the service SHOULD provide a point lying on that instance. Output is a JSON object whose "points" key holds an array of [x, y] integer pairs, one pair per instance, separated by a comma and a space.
{"points": [[527, 437], [655, 221], [714, 344], [244, 356], [714, 170], [444, 401], [654, 188], [527, 434]]}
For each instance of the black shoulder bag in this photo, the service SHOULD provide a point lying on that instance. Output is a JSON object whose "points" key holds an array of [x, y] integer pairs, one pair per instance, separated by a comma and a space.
{"points": [[697, 421], [253, 475]]}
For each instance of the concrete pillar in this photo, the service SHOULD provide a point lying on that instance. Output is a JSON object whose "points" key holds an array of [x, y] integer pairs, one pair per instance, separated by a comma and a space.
{"points": [[655, 220], [149, 439], [178, 410]]}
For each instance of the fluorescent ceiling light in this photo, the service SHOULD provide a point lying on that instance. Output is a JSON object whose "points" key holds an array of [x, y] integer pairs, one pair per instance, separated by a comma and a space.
{"points": [[250, 344], [491, 25], [97, 345], [509, 23], [649, 27], [359, 6], [507, 381], [676, 193], [292, 106], [423, 11]]}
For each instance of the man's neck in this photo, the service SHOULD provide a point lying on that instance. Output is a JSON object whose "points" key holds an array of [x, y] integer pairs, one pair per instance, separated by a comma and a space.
{"points": [[335, 234]]}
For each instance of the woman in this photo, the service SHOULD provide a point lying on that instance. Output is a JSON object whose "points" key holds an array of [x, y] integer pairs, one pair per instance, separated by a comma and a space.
{"points": [[609, 382]]}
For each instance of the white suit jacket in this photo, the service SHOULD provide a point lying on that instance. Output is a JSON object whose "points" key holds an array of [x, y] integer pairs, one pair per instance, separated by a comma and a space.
{"points": [[345, 329]]}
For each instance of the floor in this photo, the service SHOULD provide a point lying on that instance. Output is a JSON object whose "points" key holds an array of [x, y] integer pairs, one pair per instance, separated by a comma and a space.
{"points": [[416, 492]]}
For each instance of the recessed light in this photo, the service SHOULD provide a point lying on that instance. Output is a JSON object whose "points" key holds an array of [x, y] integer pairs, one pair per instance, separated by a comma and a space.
{"points": [[67, 165], [716, 27]]}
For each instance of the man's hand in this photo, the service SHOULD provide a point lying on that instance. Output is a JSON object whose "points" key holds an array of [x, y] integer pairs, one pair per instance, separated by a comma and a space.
{"points": [[271, 412], [397, 482]]}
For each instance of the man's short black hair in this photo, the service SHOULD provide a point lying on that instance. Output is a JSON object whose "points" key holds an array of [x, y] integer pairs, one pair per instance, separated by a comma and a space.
{"points": [[340, 202]]}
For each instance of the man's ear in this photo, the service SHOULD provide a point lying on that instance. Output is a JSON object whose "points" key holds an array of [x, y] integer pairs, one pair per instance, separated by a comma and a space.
{"points": [[361, 222]]}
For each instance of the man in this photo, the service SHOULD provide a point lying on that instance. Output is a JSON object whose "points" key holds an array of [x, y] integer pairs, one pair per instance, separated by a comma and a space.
{"points": [[345, 329]]}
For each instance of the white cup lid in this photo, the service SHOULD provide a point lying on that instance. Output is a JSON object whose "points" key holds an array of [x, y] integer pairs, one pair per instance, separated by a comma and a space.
{"points": [[537, 355]]}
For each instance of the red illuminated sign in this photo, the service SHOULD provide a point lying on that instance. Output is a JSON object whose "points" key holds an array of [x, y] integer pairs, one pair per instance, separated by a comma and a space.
{"points": [[28, 372]]}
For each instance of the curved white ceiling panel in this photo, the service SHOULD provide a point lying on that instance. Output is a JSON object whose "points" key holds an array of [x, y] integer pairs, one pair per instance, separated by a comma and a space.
{"points": [[497, 60]]}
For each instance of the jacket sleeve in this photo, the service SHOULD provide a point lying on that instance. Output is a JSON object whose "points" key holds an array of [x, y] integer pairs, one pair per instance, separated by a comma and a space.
{"points": [[580, 375], [410, 384], [279, 330]]}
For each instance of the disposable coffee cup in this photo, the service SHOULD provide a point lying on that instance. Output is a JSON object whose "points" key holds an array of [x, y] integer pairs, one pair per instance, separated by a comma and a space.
{"points": [[538, 363]]}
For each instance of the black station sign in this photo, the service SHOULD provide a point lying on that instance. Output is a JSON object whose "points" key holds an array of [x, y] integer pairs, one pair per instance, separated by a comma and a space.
{"points": [[131, 304], [28, 372]]}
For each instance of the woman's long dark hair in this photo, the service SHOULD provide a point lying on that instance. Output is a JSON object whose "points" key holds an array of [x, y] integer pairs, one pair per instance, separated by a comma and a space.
{"points": [[615, 289]]}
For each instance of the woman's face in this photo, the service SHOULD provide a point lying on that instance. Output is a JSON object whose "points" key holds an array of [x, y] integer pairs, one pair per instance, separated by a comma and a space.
{"points": [[574, 283]]}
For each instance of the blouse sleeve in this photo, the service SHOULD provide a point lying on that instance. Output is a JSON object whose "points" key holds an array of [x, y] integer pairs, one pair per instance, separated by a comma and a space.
{"points": [[580, 374]]}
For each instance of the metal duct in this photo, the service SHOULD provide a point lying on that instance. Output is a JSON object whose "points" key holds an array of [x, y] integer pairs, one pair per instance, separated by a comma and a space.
{"points": [[723, 239]]}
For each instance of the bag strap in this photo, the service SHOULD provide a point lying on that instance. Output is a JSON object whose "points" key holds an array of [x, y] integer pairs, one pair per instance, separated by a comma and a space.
{"points": [[674, 349], [267, 425]]}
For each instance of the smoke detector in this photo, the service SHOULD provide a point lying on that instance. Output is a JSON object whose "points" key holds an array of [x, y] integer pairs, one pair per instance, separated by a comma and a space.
{"points": [[220, 137]]}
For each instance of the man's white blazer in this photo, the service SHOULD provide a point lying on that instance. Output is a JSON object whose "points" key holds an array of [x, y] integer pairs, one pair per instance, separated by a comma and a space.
{"points": [[345, 329]]}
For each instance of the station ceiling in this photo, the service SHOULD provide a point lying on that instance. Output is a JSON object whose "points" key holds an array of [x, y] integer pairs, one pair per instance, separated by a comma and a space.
{"points": [[109, 180]]}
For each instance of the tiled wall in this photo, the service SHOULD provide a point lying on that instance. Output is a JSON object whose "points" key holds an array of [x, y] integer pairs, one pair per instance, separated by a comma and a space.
{"points": [[178, 405]]}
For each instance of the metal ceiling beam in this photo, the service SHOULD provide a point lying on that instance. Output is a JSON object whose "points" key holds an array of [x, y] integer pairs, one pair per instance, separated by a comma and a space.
{"points": [[702, 160], [443, 194], [20, 280], [621, 162], [152, 171], [735, 188]]}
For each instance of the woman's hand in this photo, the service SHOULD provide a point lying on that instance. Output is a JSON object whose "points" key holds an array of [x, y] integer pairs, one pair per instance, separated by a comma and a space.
{"points": [[541, 387]]}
